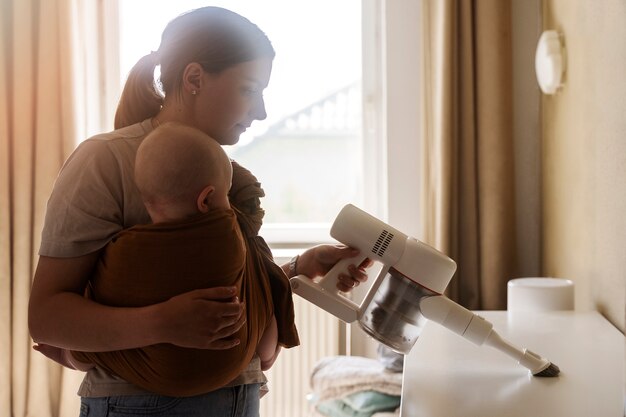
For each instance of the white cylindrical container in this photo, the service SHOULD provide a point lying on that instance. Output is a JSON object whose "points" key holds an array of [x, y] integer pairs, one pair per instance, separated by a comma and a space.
{"points": [[540, 294]]}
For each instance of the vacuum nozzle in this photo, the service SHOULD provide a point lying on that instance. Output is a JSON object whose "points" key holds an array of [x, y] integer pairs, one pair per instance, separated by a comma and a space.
{"points": [[536, 364]]}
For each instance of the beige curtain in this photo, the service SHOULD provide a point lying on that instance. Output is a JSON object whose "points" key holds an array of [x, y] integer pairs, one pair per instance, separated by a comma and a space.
{"points": [[40, 94], [469, 206]]}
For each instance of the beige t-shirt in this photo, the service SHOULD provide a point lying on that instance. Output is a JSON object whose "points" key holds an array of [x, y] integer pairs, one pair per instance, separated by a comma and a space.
{"points": [[95, 197]]}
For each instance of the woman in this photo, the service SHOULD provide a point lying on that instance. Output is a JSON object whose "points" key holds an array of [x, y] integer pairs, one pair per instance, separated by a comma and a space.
{"points": [[214, 66]]}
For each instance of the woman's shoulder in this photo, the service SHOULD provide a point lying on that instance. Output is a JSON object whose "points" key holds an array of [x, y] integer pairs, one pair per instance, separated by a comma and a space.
{"points": [[116, 143], [132, 133]]}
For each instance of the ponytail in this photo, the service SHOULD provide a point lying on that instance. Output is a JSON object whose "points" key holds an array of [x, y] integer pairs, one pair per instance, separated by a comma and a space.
{"points": [[140, 98]]}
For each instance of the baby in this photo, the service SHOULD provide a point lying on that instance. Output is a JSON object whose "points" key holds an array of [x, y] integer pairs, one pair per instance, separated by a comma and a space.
{"points": [[194, 242]]}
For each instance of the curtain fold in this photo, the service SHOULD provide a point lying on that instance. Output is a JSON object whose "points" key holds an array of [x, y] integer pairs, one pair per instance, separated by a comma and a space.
{"points": [[37, 131], [468, 200], [5, 209]]}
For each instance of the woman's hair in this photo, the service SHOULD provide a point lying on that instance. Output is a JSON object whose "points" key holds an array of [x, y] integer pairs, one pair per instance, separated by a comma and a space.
{"points": [[213, 37]]}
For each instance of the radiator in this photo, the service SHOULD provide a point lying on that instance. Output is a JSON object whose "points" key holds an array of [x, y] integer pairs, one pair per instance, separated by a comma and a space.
{"points": [[320, 336]]}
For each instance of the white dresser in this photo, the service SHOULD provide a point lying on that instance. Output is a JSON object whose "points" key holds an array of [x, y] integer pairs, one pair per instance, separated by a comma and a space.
{"points": [[448, 376]]}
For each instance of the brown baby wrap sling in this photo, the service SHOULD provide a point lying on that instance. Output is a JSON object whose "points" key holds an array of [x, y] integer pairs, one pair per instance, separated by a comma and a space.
{"points": [[152, 263]]}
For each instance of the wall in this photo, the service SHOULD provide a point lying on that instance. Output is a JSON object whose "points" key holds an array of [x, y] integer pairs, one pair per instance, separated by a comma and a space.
{"points": [[584, 156]]}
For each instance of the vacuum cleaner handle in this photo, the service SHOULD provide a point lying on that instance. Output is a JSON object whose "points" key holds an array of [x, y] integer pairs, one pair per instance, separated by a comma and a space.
{"points": [[325, 293], [331, 279]]}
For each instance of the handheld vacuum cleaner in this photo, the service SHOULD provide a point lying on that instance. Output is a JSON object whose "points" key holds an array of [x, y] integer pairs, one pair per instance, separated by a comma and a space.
{"points": [[410, 285]]}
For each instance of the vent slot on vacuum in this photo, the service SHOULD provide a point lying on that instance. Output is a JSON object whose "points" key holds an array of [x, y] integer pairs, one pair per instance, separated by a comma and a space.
{"points": [[382, 243]]}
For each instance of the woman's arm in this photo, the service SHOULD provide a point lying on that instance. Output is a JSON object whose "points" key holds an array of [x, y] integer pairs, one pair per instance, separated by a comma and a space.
{"points": [[59, 314]]}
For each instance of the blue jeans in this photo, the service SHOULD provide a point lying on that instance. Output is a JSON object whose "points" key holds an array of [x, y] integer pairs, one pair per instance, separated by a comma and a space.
{"points": [[239, 401]]}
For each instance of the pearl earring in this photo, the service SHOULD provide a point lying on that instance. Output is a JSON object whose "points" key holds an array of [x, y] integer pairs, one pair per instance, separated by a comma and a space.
{"points": [[194, 92]]}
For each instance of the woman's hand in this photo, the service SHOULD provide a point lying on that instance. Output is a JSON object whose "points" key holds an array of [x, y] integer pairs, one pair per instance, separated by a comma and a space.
{"points": [[318, 260], [203, 319]]}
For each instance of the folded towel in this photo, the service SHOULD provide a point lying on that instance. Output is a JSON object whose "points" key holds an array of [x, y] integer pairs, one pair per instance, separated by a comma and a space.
{"points": [[395, 413], [359, 404], [336, 377]]}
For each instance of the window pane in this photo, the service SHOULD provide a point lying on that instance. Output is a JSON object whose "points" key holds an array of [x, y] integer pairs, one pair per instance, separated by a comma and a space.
{"points": [[307, 153]]}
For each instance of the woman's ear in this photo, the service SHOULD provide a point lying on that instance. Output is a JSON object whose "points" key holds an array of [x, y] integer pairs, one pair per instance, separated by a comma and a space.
{"points": [[204, 199], [192, 78]]}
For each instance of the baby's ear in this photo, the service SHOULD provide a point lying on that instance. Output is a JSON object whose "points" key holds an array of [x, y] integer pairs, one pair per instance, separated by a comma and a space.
{"points": [[204, 199]]}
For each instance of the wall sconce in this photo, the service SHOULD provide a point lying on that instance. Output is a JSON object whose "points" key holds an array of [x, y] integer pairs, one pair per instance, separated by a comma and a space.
{"points": [[549, 62]]}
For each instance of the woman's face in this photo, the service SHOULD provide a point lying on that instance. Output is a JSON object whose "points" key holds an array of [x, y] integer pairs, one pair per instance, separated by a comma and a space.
{"points": [[230, 101]]}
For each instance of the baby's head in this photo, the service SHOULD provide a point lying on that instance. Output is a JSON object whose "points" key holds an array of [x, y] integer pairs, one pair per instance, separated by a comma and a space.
{"points": [[180, 171]]}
